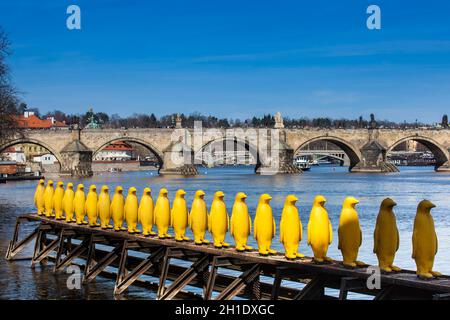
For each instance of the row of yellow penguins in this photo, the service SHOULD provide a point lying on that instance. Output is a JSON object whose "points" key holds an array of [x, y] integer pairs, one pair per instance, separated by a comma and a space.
{"points": [[56, 202]]}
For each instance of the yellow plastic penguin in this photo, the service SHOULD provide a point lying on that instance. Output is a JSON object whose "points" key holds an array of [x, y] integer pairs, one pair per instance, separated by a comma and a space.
{"points": [[198, 218], [145, 212], [131, 211], [57, 201], [68, 205], [291, 229], [79, 202], [264, 225], [117, 209], [320, 232], [91, 206], [349, 233], [180, 216], [104, 208], [48, 199], [39, 197], [241, 223], [162, 214], [218, 220], [386, 238], [425, 241]]}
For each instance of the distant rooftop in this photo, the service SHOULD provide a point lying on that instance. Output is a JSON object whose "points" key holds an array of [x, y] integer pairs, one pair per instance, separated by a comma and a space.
{"points": [[31, 121]]}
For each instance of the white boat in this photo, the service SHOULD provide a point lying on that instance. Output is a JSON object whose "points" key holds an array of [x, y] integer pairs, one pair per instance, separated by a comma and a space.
{"points": [[302, 164]]}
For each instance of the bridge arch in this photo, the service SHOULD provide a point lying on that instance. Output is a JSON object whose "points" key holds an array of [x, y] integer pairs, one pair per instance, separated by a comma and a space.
{"points": [[32, 141], [353, 154], [248, 146], [159, 155], [440, 153]]}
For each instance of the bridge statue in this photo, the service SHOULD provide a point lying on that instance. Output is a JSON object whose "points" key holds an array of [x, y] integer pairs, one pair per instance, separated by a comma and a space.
{"points": [[278, 121]]}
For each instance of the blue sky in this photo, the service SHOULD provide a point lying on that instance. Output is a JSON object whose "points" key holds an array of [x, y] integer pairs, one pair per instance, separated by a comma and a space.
{"points": [[233, 58]]}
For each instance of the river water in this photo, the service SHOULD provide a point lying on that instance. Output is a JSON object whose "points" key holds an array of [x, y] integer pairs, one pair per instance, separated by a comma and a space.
{"points": [[407, 188]]}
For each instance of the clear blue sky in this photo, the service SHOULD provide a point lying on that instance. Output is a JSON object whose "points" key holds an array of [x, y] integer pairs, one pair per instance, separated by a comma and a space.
{"points": [[233, 58]]}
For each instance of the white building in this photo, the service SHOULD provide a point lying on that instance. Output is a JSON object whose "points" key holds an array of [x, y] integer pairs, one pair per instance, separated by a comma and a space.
{"points": [[14, 154], [46, 158], [116, 151]]}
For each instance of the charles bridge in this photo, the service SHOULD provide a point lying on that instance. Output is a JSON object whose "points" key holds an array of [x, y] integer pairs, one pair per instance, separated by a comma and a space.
{"points": [[273, 148]]}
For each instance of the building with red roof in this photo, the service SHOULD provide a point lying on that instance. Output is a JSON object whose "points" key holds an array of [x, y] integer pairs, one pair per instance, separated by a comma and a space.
{"points": [[30, 121]]}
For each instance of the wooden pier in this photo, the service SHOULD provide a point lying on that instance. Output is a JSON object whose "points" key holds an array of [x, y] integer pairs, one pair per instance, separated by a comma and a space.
{"points": [[66, 243]]}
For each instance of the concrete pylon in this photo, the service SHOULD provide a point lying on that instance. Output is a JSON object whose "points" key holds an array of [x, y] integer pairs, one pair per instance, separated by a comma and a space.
{"points": [[178, 160]]}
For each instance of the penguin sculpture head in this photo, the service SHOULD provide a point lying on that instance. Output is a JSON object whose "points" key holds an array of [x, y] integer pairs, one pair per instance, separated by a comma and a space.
{"points": [[70, 186], [350, 202], [93, 188], [425, 206], [105, 189], [291, 199], [80, 187], [147, 191], [60, 184], [240, 196], [219, 195], [320, 201], [50, 183], [163, 192], [132, 190], [199, 194], [265, 198], [388, 203], [41, 182], [119, 189], [180, 193]]}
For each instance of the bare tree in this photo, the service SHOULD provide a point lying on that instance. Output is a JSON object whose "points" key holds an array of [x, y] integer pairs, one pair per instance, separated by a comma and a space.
{"points": [[8, 99]]}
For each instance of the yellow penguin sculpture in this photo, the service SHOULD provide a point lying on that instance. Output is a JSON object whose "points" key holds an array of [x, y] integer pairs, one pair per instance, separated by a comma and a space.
{"points": [[291, 229], [117, 209], [145, 212], [218, 220], [48, 198], [91, 206], [180, 216], [57, 201], [241, 223], [198, 218], [79, 202], [104, 208], [67, 202], [320, 232], [264, 225], [39, 197], [162, 214], [386, 237], [349, 233], [425, 241], [131, 211]]}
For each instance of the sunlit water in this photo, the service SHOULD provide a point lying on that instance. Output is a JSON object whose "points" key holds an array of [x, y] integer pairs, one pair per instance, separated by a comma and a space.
{"points": [[407, 188]]}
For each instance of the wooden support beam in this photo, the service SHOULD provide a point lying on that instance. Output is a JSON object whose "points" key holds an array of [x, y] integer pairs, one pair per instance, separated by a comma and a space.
{"points": [[80, 249], [350, 284], [197, 267], [240, 283], [61, 238], [384, 293], [124, 280], [16, 247], [92, 270], [313, 290], [163, 273], [40, 250], [211, 279]]}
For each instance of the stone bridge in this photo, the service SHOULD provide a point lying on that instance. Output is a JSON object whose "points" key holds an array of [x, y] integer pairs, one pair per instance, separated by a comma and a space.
{"points": [[274, 149]]}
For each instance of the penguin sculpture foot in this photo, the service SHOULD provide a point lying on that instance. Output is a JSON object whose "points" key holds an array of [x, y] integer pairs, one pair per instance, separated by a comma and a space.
{"points": [[178, 239], [248, 248], [425, 276], [396, 269], [205, 241], [218, 245], [300, 255], [161, 236], [104, 227], [436, 274], [240, 249], [186, 238], [318, 260], [349, 264], [327, 259], [123, 229], [361, 264], [386, 269], [271, 251], [168, 235], [130, 231], [264, 254], [199, 243], [137, 231], [109, 226], [225, 244], [289, 256], [73, 220], [84, 222]]}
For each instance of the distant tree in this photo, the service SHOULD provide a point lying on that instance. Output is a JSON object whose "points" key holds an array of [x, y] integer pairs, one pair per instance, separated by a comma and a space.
{"points": [[444, 122]]}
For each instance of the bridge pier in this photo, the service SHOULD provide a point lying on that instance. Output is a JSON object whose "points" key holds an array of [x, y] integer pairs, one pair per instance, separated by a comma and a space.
{"points": [[373, 160], [178, 160], [76, 158], [281, 161]]}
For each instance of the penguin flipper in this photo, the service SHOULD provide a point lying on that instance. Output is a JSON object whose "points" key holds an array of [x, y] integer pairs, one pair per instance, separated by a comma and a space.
{"points": [[228, 220], [250, 224], [209, 222], [398, 241], [274, 227], [281, 230], [339, 238], [308, 231], [231, 225], [435, 237], [414, 236], [375, 240], [300, 227], [255, 228], [330, 230]]}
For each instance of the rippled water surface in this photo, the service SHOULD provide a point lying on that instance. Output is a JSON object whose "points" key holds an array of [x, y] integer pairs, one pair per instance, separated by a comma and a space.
{"points": [[407, 188]]}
